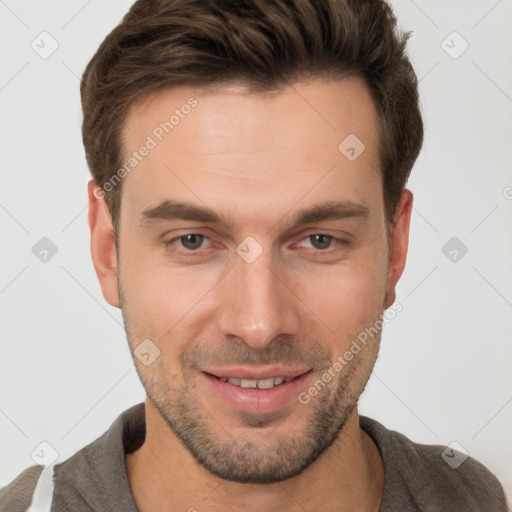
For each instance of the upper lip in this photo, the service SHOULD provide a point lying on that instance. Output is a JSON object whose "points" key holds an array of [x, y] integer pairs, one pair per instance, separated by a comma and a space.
{"points": [[257, 373]]}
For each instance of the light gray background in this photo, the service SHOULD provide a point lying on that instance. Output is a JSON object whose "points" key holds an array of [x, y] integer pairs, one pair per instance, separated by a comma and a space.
{"points": [[445, 368]]}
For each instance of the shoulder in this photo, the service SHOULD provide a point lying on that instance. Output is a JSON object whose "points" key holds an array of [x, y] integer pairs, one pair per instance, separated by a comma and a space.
{"points": [[17, 496], [434, 475], [93, 478]]}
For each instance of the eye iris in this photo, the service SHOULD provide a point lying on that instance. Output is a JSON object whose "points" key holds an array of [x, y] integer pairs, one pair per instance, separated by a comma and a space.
{"points": [[192, 241], [324, 241]]}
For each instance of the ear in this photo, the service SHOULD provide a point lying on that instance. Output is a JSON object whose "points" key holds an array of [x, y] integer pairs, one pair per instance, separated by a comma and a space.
{"points": [[103, 249], [399, 245]]}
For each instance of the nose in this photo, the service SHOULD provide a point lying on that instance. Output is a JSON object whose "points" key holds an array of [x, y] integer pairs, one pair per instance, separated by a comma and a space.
{"points": [[256, 302]]}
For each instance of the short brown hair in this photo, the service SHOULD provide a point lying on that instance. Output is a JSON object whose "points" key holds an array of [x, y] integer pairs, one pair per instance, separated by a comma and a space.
{"points": [[264, 44]]}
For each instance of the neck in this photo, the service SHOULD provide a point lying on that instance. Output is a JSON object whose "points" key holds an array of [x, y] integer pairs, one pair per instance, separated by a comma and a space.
{"points": [[163, 475]]}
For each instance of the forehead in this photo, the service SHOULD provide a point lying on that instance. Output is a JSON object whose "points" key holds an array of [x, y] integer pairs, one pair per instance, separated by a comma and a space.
{"points": [[225, 146]]}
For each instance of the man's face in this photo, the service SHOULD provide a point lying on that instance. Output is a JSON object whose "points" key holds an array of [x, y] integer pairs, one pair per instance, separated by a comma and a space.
{"points": [[260, 296]]}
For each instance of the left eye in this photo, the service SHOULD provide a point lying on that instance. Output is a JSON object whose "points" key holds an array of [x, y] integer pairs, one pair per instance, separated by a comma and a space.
{"points": [[192, 241], [321, 241]]}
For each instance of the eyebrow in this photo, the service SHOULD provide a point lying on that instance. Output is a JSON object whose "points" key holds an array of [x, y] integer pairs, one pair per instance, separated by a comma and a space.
{"points": [[329, 210]]}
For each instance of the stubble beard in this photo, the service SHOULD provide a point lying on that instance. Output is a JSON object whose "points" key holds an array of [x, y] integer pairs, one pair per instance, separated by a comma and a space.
{"points": [[276, 456]]}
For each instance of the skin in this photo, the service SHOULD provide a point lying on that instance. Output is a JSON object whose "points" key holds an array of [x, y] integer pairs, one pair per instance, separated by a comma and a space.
{"points": [[258, 159]]}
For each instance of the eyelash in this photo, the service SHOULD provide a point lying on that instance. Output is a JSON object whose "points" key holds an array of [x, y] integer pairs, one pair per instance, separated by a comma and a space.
{"points": [[341, 242]]}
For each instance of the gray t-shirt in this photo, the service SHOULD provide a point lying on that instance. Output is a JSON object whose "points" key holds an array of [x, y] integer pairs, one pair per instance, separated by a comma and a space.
{"points": [[416, 477]]}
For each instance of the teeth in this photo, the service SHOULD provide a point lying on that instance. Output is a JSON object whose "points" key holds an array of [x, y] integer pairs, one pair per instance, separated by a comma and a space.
{"points": [[248, 383], [266, 383], [260, 384]]}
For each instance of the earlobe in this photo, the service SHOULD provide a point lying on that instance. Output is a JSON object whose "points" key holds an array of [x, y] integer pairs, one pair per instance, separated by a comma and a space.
{"points": [[399, 245], [103, 250]]}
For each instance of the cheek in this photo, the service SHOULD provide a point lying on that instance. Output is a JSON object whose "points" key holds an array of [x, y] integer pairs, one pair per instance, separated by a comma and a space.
{"points": [[163, 298], [346, 299]]}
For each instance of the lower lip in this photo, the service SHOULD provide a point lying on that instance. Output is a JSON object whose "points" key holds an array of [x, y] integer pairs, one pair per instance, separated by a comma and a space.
{"points": [[254, 400]]}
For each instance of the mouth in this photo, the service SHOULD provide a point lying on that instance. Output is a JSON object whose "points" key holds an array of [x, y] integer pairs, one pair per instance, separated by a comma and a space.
{"points": [[256, 391]]}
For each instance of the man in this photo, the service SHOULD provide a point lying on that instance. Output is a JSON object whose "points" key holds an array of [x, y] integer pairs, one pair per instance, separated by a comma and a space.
{"points": [[249, 216]]}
